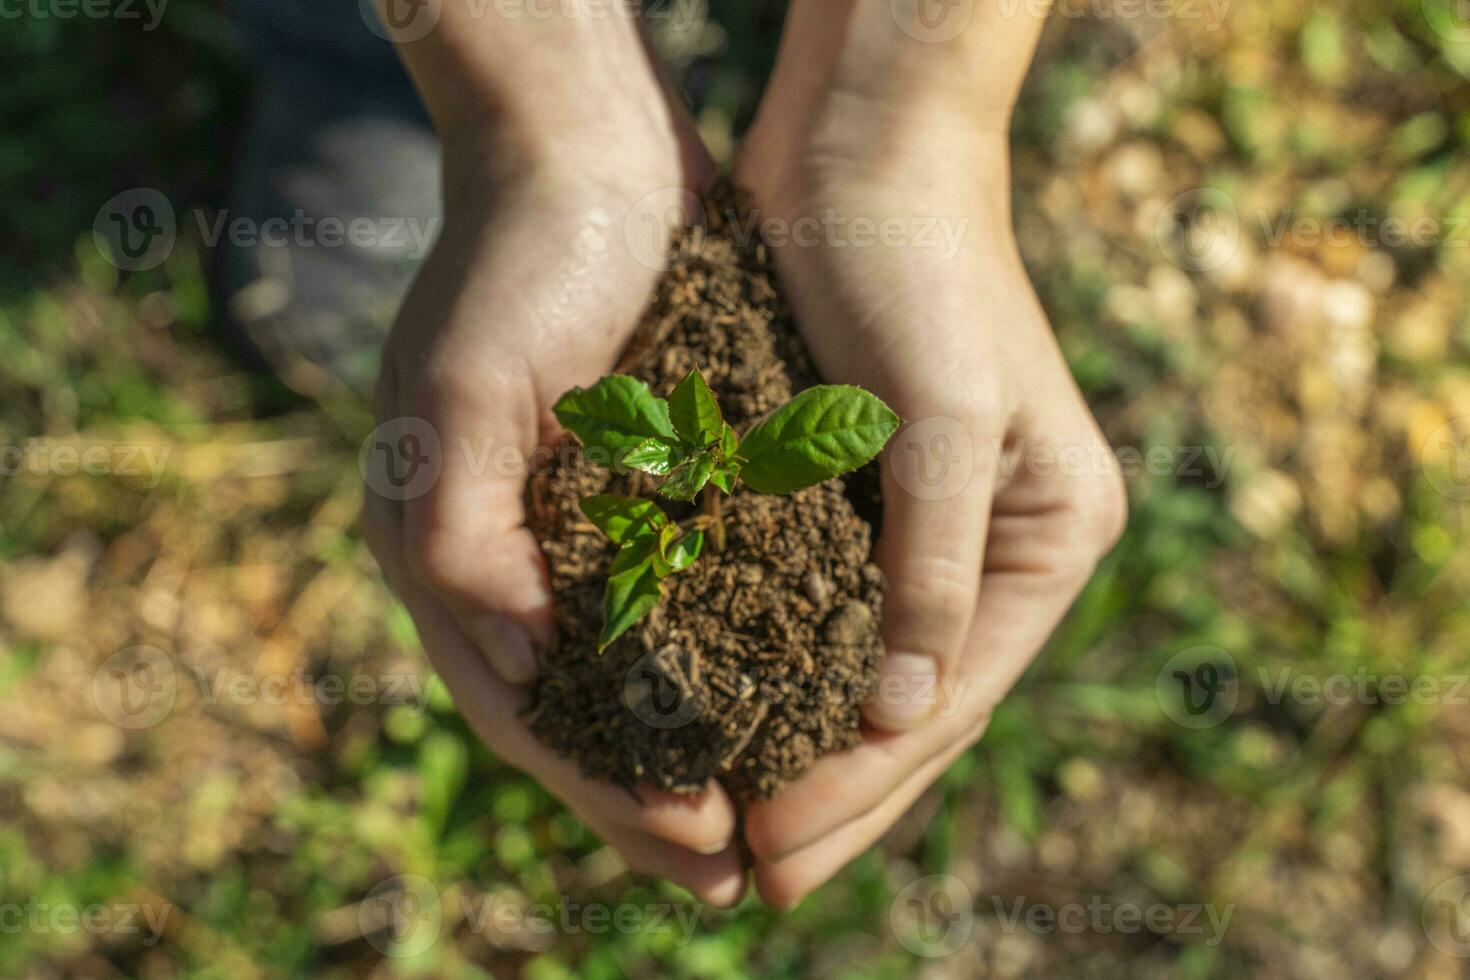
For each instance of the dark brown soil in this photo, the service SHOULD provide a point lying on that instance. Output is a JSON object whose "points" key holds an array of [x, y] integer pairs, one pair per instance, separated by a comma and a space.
{"points": [[759, 657]]}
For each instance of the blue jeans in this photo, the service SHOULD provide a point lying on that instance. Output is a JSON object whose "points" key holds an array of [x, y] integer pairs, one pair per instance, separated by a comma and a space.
{"points": [[333, 35]]}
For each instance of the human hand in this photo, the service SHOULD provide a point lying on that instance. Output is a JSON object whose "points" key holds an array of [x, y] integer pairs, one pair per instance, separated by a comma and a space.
{"points": [[530, 291], [981, 564]]}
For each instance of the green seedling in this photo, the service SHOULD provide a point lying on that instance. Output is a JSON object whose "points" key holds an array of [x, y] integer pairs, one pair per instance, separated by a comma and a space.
{"points": [[686, 444]]}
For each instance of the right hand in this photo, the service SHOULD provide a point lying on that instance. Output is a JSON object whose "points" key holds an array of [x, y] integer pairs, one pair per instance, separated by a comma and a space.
{"points": [[531, 290]]}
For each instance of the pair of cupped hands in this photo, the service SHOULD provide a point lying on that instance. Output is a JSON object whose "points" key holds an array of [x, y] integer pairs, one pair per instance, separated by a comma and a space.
{"points": [[533, 289]]}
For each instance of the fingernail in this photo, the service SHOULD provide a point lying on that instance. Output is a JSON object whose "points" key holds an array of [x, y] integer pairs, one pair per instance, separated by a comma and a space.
{"points": [[507, 645], [905, 692]]}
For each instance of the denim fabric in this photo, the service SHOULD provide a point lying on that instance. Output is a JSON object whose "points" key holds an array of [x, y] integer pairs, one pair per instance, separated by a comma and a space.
{"points": [[332, 34]]}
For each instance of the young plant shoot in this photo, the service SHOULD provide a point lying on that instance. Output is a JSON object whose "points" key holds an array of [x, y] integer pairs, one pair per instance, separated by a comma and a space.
{"points": [[684, 441]]}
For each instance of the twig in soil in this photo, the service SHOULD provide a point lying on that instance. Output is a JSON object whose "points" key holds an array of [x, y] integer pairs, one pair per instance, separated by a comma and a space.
{"points": [[713, 509], [760, 715]]}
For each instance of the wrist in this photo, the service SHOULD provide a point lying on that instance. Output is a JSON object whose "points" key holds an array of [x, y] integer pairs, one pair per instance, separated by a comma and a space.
{"points": [[511, 93]]}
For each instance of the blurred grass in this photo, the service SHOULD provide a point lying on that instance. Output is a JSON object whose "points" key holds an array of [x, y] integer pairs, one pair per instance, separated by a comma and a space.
{"points": [[1322, 547]]}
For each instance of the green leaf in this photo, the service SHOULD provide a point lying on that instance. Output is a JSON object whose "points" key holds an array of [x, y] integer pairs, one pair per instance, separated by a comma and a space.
{"points": [[623, 518], [638, 551], [654, 456], [728, 468], [630, 596], [689, 477], [685, 551], [694, 411], [821, 433], [724, 477], [613, 417]]}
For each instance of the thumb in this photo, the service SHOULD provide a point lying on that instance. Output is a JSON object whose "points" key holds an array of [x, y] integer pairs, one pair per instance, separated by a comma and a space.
{"points": [[937, 491]]}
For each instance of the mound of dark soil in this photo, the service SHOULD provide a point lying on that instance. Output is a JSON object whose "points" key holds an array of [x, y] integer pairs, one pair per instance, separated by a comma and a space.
{"points": [[759, 657]]}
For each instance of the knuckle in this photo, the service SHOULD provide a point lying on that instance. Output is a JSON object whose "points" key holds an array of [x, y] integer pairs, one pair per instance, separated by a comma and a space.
{"points": [[1095, 515], [1107, 514], [934, 589], [984, 409]]}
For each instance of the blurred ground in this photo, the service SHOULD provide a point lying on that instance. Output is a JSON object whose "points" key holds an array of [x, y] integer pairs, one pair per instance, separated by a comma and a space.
{"points": [[1281, 359]]}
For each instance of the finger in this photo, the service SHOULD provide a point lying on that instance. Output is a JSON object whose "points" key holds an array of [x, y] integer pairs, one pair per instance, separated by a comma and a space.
{"points": [[465, 539], [839, 789], [1016, 612], [785, 882], [719, 879], [704, 824], [930, 550]]}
